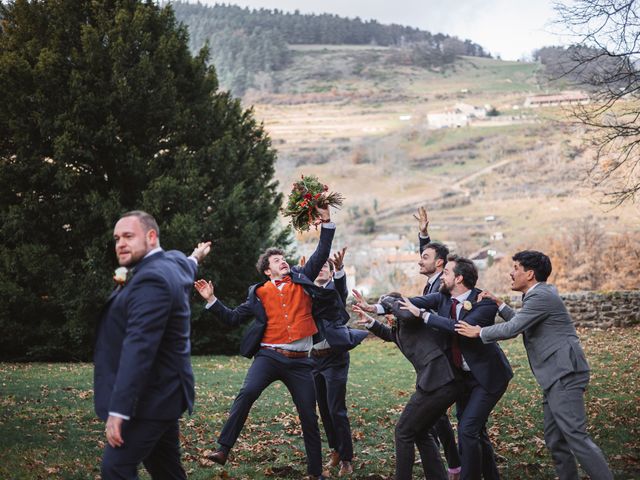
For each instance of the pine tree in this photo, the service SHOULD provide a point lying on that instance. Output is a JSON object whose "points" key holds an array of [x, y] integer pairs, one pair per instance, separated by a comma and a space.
{"points": [[102, 110]]}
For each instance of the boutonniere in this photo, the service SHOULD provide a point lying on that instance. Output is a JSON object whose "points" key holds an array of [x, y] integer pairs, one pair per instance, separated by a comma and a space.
{"points": [[120, 276], [467, 305]]}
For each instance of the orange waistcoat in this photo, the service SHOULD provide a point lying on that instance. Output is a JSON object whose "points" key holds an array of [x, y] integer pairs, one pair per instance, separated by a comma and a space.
{"points": [[288, 313]]}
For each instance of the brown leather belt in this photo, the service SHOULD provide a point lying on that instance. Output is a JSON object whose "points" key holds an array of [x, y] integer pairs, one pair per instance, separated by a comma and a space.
{"points": [[287, 353], [321, 352]]}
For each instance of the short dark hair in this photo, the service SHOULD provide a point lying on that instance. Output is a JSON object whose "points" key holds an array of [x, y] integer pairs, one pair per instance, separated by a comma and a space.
{"points": [[146, 220], [466, 268], [536, 261], [263, 260], [442, 252]]}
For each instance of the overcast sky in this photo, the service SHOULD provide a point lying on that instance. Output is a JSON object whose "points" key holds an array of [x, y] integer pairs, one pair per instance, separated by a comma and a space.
{"points": [[509, 28]]}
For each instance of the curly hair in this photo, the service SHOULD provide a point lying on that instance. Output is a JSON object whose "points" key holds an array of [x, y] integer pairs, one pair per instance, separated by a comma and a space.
{"points": [[263, 260]]}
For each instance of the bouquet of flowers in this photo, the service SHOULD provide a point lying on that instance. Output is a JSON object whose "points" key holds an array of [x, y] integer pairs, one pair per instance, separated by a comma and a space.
{"points": [[306, 195]]}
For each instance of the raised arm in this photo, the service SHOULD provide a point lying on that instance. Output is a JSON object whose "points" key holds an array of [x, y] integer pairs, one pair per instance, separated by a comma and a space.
{"points": [[423, 227], [340, 279], [316, 261]]}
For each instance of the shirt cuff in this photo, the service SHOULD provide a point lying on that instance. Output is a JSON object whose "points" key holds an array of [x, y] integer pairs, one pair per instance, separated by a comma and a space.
{"points": [[425, 317], [210, 304], [379, 309], [330, 225], [424, 237], [339, 274], [193, 258], [501, 307], [119, 415], [482, 328]]}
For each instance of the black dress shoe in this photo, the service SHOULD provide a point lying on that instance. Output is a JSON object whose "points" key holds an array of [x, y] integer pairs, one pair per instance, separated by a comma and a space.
{"points": [[218, 456]]}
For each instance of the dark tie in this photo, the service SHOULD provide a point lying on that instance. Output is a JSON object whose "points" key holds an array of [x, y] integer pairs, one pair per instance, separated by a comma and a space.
{"points": [[285, 279], [455, 346]]}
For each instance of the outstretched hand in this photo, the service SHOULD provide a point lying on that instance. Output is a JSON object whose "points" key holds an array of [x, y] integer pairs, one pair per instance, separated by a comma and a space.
{"points": [[363, 318], [362, 303], [423, 221], [405, 304], [205, 289], [201, 251], [466, 330], [338, 259]]}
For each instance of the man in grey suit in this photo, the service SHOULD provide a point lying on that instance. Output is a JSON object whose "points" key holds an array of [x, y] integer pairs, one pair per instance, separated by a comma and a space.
{"points": [[557, 362]]}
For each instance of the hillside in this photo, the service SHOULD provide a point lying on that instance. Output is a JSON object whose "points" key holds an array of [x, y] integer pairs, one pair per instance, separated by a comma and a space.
{"points": [[359, 120], [249, 45], [398, 124]]}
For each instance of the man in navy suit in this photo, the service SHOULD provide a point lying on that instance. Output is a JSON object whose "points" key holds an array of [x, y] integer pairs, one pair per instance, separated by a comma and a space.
{"points": [[279, 340], [143, 380], [484, 367], [332, 364]]}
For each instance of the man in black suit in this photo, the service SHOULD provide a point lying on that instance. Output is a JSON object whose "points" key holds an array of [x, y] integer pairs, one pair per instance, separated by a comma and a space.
{"points": [[438, 384], [332, 366], [279, 340], [433, 258], [484, 367], [143, 380]]}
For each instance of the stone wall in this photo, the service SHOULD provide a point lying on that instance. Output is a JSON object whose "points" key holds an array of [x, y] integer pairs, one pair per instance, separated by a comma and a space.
{"points": [[602, 309], [590, 309]]}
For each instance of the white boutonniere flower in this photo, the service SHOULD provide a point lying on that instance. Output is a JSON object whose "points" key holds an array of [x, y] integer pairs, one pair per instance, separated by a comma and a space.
{"points": [[120, 275], [467, 305]]}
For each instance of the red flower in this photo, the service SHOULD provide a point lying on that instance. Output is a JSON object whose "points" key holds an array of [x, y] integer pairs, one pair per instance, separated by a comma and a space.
{"points": [[325, 188], [308, 196]]}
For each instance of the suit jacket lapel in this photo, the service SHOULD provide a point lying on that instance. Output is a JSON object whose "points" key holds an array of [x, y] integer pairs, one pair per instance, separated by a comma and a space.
{"points": [[114, 292], [471, 298]]}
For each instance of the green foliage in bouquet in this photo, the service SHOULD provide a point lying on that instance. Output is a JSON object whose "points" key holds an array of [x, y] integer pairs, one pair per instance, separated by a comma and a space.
{"points": [[306, 195]]}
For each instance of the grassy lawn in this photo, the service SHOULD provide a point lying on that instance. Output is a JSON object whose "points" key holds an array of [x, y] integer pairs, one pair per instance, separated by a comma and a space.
{"points": [[48, 430]]}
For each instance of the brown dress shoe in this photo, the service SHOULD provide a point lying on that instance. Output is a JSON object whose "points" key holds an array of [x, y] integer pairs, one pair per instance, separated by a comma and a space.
{"points": [[218, 456], [334, 460], [345, 468]]}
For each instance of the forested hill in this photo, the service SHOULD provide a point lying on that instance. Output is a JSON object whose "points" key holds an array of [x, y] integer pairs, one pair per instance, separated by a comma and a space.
{"points": [[245, 43]]}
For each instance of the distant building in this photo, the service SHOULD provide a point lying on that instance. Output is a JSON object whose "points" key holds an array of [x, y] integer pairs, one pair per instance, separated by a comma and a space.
{"points": [[484, 257], [458, 116], [406, 262], [390, 243], [564, 98]]}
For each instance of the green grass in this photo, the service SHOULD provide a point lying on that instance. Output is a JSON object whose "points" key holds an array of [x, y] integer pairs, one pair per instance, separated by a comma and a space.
{"points": [[48, 430]]}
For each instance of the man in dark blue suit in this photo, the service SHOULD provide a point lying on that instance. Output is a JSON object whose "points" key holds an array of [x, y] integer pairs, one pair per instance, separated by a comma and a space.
{"points": [[484, 367], [143, 380], [331, 368], [285, 317]]}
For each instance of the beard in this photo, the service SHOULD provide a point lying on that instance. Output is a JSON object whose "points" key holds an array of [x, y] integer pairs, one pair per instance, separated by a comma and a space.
{"points": [[444, 289]]}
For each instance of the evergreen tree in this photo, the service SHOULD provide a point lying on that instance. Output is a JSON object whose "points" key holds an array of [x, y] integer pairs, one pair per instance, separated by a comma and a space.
{"points": [[102, 110]]}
